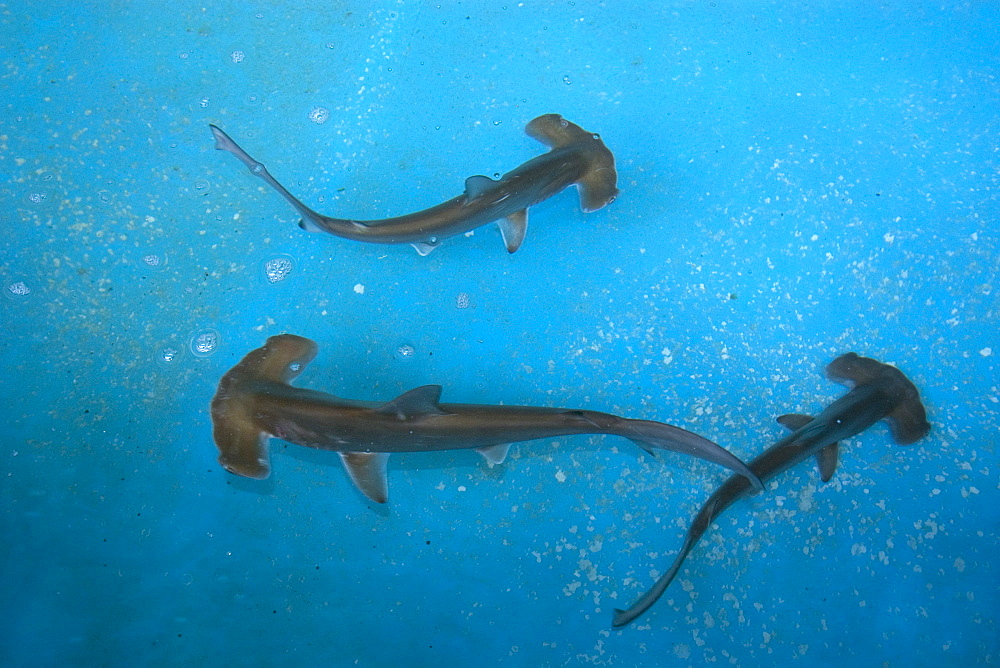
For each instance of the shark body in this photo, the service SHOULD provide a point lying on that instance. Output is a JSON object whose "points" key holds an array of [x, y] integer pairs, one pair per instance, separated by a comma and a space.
{"points": [[254, 402], [880, 392], [577, 157]]}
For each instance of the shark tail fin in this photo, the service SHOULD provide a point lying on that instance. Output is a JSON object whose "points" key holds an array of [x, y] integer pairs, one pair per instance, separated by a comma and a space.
{"points": [[241, 443], [908, 420], [599, 184], [652, 436], [827, 458]]}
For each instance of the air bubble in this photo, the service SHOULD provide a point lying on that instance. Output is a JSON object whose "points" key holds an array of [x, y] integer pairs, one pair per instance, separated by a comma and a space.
{"points": [[252, 100], [319, 115], [152, 260], [237, 56], [277, 269], [204, 342], [168, 355], [566, 80], [462, 300], [38, 198], [105, 196], [405, 351], [201, 186], [331, 45], [16, 290]]}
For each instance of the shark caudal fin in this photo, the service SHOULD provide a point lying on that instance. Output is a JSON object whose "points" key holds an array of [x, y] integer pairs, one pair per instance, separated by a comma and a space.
{"points": [[599, 185], [652, 436], [241, 443], [908, 420]]}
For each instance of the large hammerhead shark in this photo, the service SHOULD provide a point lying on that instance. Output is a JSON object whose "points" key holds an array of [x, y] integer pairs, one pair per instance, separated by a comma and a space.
{"points": [[254, 402], [577, 157], [880, 392]]}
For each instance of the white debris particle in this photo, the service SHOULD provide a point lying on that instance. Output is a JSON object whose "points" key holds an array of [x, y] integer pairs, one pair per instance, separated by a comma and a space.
{"points": [[360, 289], [986, 352], [960, 564], [461, 488], [668, 356], [560, 476], [889, 237], [571, 588]]}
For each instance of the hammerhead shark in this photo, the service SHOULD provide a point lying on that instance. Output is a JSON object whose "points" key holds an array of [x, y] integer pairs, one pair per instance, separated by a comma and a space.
{"points": [[880, 392], [577, 158], [254, 402]]}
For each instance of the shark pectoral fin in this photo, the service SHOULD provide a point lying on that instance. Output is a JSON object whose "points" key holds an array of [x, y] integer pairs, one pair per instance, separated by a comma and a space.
{"points": [[597, 188], [513, 228], [826, 460], [418, 402], [367, 471], [494, 454], [424, 248], [477, 185]]}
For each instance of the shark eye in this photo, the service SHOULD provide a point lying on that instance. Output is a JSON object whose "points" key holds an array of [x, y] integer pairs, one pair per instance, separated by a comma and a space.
{"points": [[563, 123], [595, 136]]}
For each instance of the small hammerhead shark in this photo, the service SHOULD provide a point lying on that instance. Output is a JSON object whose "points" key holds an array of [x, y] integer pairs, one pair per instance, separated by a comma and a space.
{"points": [[577, 157], [254, 402], [880, 392]]}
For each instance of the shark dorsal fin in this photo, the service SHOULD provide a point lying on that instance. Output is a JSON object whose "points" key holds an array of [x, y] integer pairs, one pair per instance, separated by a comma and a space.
{"points": [[367, 471], [908, 419], [418, 402], [477, 185], [827, 458], [513, 228]]}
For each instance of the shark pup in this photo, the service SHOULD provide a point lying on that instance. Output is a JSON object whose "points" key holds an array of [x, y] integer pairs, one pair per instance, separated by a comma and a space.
{"points": [[880, 392], [255, 402], [577, 158]]}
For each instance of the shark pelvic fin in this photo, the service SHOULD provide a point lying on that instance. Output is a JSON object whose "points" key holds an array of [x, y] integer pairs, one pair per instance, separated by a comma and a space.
{"points": [[494, 454], [418, 402], [424, 248], [513, 228], [368, 472]]}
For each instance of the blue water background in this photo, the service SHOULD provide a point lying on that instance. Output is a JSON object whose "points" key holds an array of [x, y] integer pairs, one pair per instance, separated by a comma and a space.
{"points": [[798, 180]]}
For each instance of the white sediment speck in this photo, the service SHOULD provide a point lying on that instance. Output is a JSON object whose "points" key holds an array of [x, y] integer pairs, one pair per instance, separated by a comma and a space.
{"points": [[360, 289], [986, 352]]}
